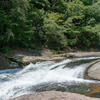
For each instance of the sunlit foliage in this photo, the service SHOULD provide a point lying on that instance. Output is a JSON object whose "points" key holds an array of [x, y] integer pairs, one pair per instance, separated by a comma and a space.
{"points": [[53, 23]]}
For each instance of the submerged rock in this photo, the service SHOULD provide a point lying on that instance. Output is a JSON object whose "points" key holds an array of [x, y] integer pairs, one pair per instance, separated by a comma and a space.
{"points": [[53, 95], [94, 71], [95, 91]]}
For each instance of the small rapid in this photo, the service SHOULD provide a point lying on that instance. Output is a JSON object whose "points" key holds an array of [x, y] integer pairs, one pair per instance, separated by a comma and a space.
{"points": [[48, 75]]}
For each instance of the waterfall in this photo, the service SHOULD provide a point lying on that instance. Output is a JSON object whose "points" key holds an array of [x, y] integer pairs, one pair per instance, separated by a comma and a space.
{"points": [[45, 75]]}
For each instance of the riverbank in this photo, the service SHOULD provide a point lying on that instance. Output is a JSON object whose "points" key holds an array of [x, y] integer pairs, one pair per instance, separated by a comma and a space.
{"points": [[21, 57]]}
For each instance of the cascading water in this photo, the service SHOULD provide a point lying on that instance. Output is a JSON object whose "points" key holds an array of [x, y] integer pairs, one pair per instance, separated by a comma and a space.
{"points": [[43, 76]]}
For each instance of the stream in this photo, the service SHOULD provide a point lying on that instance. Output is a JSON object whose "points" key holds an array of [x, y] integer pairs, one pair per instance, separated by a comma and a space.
{"points": [[66, 76]]}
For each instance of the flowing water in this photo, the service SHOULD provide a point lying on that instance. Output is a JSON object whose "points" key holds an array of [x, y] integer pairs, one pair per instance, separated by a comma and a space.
{"points": [[67, 75]]}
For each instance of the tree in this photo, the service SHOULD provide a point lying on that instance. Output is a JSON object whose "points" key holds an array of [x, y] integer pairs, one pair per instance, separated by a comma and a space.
{"points": [[52, 35]]}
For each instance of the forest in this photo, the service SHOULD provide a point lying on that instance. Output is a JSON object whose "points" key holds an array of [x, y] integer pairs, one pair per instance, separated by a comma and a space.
{"points": [[56, 24]]}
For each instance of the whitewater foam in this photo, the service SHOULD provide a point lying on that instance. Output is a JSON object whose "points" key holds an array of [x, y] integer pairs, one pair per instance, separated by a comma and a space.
{"points": [[15, 82]]}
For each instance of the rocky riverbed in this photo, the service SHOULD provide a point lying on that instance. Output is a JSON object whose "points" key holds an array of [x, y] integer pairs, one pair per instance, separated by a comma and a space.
{"points": [[22, 57]]}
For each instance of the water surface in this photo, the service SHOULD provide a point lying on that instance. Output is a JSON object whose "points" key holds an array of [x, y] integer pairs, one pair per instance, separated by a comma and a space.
{"points": [[67, 75]]}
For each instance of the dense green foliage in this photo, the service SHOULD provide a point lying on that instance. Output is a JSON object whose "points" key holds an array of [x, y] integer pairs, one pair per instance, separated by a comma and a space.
{"points": [[53, 23]]}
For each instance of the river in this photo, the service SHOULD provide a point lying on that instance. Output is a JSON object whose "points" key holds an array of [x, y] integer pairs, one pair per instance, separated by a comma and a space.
{"points": [[66, 75]]}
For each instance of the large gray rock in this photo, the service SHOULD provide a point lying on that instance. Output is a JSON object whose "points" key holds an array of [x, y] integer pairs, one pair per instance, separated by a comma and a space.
{"points": [[53, 95], [94, 71], [24, 57], [3, 63], [23, 60]]}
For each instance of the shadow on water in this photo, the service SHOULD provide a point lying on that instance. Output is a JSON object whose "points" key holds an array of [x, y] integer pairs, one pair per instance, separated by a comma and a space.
{"points": [[79, 62], [72, 64], [6, 74], [64, 87], [91, 90]]}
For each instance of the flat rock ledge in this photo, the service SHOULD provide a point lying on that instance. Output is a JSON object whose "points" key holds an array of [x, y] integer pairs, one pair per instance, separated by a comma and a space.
{"points": [[94, 71], [20, 58], [53, 95]]}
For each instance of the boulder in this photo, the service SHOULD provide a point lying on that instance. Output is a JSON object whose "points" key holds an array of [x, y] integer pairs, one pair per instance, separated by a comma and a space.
{"points": [[3, 63], [94, 71], [53, 95]]}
